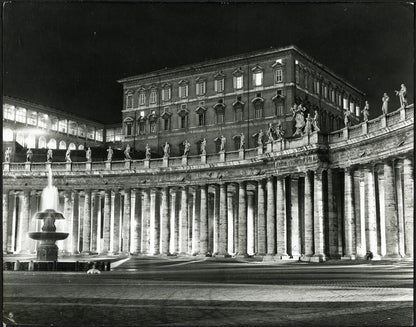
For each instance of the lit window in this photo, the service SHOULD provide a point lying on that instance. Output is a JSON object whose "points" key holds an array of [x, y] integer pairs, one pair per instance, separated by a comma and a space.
{"points": [[200, 88], [30, 141], [153, 96], [52, 144], [54, 124], [32, 117], [142, 99], [118, 132], [166, 93], [8, 112], [90, 132], [62, 126], [219, 85], [238, 82], [62, 145], [279, 76], [352, 106], [183, 91], [99, 135], [72, 128], [7, 135], [257, 78], [345, 104], [129, 101], [81, 131], [42, 121], [109, 135], [42, 142], [21, 115], [20, 138], [72, 146]]}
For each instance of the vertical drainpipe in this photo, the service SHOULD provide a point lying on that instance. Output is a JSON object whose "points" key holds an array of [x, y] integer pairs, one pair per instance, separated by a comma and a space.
{"points": [[248, 104]]}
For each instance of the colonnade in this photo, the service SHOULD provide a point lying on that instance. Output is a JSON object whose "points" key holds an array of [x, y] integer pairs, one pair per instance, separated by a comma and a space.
{"points": [[312, 215]]}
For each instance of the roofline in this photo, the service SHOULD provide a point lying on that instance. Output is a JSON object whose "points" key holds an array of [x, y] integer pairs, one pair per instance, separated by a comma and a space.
{"points": [[211, 62]]}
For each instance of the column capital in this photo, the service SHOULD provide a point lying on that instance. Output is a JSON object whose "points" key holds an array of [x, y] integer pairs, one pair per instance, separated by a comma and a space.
{"points": [[173, 190]]}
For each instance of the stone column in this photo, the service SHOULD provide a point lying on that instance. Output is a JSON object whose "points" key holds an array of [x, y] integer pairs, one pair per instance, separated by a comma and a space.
{"points": [[68, 214], [145, 222], [183, 222], [203, 244], [271, 217], [126, 221], [294, 217], [370, 212], [250, 222], [390, 209], [95, 197], [318, 218], [5, 219], [106, 223], [261, 220], [33, 223], [136, 227], [408, 206], [230, 220], [349, 215], [216, 218], [359, 215], [116, 208], [380, 190], [332, 218], [174, 246], [164, 230], [242, 220], [75, 222], [281, 231], [86, 230], [308, 215], [23, 223], [400, 204], [154, 247], [196, 220], [222, 228]]}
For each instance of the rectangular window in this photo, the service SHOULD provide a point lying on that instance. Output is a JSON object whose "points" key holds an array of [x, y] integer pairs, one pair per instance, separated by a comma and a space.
{"points": [[152, 127], [238, 82], [200, 88], [259, 112], [8, 112], [81, 131], [21, 115], [109, 135], [42, 121], [219, 85], [153, 96], [54, 124], [258, 79], [129, 101], [238, 114], [118, 132], [279, 109], [142, 127], [166, 124], [32, 117], [201, 119], [129, 128], [220, 117], [183, 121], [166, 94], [183, 91], [345, 104], [62, 126], [99, 135], [90, 133], [279, 76], [72, 128], [142, 99]]}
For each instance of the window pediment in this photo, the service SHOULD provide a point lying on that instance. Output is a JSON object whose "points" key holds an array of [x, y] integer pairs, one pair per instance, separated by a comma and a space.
{"points": [[183, 112], [166, 114], [219, 106], [238, 104], [166, 85], [183, 82], [257, 69], [200, 79], [277, 63], [141, 89], [200, 110], [152, 117], [257, 100], [141, 118], [219, 75], [278, 97], [238, 72]]}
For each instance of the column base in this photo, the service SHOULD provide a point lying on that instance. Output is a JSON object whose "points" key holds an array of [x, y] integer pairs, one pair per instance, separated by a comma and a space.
{"points": [[283, 256], [269, 257], [392, 257], [242, 255], [225, 255], [295, 257], [348, 257], [318, 258]]}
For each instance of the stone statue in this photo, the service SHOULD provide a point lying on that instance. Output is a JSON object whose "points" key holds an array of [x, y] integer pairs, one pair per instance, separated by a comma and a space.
{"points": [[29, 155], [187, 147], [49, 155], [110, 153], [127, 153], [148, 153], [308, 125], [347, 114], [299, 118], [166, 150], [88, 154], [223, 141], [402, 96], [385, 99], [270, 133], [7, 154], [242, 141], [366, 111], [279, 131], [315, 122], [68, 155], [203, 146]]}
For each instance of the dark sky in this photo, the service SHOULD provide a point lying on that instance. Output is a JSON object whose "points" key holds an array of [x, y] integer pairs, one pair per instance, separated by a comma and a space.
{"points": [[69, 55]]}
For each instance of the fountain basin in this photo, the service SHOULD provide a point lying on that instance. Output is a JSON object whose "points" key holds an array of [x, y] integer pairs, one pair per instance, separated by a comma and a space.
{"points": [[43, 236]]}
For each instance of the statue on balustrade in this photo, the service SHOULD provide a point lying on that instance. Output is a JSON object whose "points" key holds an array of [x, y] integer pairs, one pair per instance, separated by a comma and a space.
{"points": [[259, 138], [127, 153], [223, 140], [49, 155], [366, 111], [347, 118], [279, 131], [110, 153], [385, 107], [308, 125], [315, 120], [68, 156], [148, 153], [186, 148], [7, 155], [242, 141], [402, 96], [88, 154], [299, 118], [203, 146], [166, 150], [270, 133], [29, 155]]}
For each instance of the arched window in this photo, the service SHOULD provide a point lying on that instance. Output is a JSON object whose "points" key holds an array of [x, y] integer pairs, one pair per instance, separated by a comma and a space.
{"points": [[258, 103], [52, 144], [7, 135], [183, 116], [238, 109], [166, 118], [220, 111], [200, 111], [42, 143], [81, 147], [72, 146], [62, 145], [30, 141], [128, 126]]}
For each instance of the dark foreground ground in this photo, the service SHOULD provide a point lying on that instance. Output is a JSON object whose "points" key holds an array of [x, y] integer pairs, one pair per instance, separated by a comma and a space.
{"points": [[154, 291]]}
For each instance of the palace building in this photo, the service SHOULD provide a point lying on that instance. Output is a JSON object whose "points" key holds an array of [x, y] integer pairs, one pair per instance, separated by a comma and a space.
{"points": [[327, 192]]}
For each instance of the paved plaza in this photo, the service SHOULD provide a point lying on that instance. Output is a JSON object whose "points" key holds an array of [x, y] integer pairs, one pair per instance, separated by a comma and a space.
{"points": [[205, 292]]}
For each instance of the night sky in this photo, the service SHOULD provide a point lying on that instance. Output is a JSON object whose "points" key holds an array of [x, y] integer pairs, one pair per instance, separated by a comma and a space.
{"points": [[69, 55]]}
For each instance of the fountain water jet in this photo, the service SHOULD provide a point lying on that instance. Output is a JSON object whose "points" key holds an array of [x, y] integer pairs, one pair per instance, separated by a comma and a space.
{"points": [[47, 250]]}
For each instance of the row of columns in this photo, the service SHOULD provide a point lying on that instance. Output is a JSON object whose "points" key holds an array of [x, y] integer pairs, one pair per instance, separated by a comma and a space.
{"points": [[311, 215]]}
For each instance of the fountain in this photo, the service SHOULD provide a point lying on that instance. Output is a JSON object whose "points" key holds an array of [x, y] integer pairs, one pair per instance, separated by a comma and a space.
{"points": [[47, 250]]}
